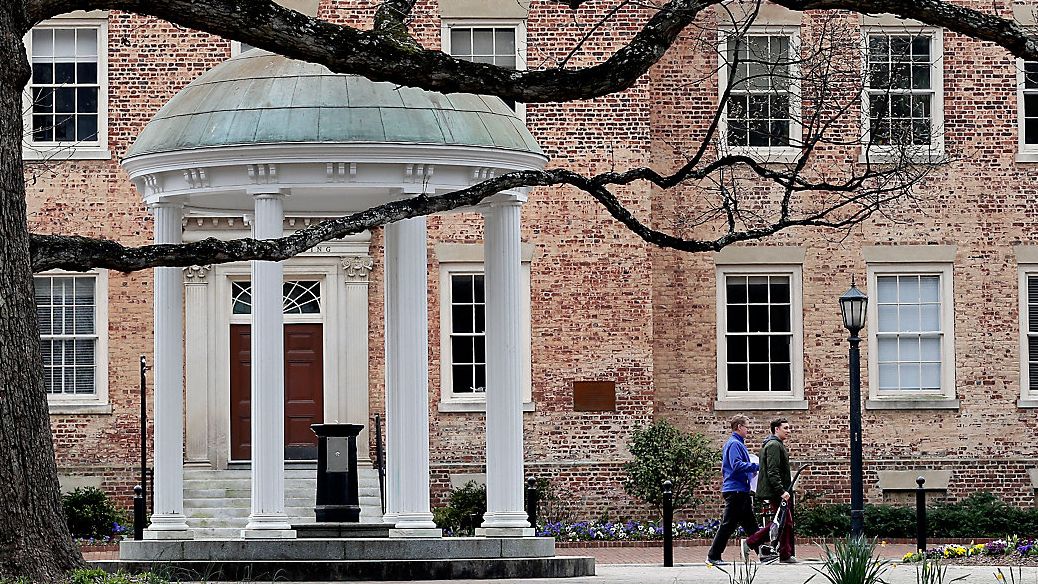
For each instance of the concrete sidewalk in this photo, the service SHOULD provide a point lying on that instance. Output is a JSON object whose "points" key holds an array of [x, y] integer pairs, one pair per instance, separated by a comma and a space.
{"points": [[771, 574]]}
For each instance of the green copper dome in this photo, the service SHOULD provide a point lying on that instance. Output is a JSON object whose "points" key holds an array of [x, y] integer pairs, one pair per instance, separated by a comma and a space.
{"points": [[263, 98]]}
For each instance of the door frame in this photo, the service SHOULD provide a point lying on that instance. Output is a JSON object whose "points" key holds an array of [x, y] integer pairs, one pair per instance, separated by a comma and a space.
{"points": [[322, 269], [344, 265]]}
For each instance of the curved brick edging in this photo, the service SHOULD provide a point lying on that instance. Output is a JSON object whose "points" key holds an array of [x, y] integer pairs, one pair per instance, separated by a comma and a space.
{"points": [[809, 541], [103, 547]]}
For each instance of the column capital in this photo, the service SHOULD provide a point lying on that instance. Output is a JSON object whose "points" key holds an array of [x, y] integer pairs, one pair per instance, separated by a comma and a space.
{"points": [[165, 205], [268, 191], [196, 274], [501, 200], [357, 268]]}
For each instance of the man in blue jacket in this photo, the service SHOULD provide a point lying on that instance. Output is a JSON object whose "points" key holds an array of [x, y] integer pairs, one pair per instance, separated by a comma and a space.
{"points": [[737, 470]]}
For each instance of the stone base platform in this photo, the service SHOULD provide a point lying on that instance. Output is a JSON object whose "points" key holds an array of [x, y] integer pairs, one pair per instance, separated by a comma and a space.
{"points": [[341, 530], [309, 560]]}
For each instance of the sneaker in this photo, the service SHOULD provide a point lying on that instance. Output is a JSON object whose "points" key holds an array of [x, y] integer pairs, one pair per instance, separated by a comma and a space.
{"points": [[768, 558], [789, 560], [716, 563], [744, 551]]}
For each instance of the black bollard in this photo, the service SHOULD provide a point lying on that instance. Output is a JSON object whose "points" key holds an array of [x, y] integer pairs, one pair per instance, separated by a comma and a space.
{"points": [[138, 513], [668, 520], [531, 501], [920, 515]]}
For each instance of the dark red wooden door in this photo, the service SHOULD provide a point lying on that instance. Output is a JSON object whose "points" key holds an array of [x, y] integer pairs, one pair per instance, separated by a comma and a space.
{"points": [[304, 390]]}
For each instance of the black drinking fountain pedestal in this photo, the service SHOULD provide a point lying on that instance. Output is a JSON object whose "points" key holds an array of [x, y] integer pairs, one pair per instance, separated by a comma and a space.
{"points": [[338, 496]]}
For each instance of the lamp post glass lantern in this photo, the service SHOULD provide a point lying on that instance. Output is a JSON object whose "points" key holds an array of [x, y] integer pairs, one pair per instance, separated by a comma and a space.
{"points": [[853, 305]]}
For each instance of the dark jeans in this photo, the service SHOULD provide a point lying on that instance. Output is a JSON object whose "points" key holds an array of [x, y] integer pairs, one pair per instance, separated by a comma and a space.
{"points": [[738, 512], [786, 543]]}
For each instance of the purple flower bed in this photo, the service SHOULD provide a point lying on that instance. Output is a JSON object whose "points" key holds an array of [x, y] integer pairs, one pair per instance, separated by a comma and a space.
{"points": [[624, 531]]}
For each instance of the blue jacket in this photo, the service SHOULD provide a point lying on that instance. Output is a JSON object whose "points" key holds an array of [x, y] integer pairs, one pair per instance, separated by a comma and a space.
{"points": [[736, 467]]}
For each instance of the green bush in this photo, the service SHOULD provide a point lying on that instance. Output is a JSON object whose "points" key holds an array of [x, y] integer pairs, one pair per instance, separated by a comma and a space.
{"points": [[663, 452], [91, 514], [464, 511], [978, 515]]}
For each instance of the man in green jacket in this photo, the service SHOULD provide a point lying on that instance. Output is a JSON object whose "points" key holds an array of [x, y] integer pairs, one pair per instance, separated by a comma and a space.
{"points": [[773, 485]]}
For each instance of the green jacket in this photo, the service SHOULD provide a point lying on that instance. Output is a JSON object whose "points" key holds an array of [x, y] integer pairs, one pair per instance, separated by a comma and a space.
{"points": [[774, 476]]}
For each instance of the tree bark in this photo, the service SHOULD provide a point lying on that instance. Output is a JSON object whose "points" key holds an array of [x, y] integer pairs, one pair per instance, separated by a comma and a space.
{"points": [[35, 542]]}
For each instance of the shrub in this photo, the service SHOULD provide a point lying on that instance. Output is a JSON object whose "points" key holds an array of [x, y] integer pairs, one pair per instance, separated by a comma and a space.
{"points": [[464, 511], [91, 514], [663, 452], [978, 515]]}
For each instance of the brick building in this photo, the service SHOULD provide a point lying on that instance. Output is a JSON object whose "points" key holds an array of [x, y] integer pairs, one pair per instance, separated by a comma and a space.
{"points": [[619, 332]]}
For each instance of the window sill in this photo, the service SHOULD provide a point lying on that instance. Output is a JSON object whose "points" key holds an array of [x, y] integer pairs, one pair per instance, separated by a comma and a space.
{"points": [[878, 155], [767, 155], [62, 154], [722, 405], [1027, 156], [1027, 402], [79, 408], [473, 406], [919, 403]]}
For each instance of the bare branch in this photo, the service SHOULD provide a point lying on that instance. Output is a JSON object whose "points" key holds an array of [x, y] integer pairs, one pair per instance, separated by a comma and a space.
{"points": [[381, 56]]}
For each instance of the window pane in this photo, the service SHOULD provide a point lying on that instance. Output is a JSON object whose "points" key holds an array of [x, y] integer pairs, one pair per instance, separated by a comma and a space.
{"points": [[759, 377], [737, 289], [42, 73], [462, 319], [780, 319], [737, 378], [736, 349], [780, 348], [930, 349], [930, 376], [43, 42], [504, 40], [65, 42], [462, 350], [908, 348], [736, 319], [86, 42], [757, 289], [461, 41], [909, 376], [462, 378], [888, 321], [887, 349], [758, 318], [461, 289], [758, 349], [780, 377], [86, 129], [482, 41]]}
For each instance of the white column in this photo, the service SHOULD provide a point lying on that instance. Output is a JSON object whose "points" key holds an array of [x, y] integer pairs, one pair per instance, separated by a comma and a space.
{"points": [[168, 521], [505, 516], [196, 387], [268, 519], [407, 378]]}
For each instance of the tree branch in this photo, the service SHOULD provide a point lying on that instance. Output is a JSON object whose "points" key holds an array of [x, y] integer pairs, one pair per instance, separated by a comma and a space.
{"points": [[382, 56]]}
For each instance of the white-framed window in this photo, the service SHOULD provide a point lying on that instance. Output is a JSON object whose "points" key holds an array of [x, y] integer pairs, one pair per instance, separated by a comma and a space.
{"points": [[463, 336], [762, 115], [72, 314], [911, 332], [760, 334], [1027, 109], [903, 97], [66, 100], [1029, 333], [497, 42]]}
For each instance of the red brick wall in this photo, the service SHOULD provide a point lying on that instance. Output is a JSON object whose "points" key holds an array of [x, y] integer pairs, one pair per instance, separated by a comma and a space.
{"points": [[606, 306]]}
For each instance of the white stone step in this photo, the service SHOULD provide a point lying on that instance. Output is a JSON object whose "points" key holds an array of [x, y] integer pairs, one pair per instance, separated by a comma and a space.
{"points": [[217, 502]]}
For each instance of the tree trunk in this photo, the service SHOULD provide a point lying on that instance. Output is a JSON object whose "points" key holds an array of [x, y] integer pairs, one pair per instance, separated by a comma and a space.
{"points": [[34, 540]]}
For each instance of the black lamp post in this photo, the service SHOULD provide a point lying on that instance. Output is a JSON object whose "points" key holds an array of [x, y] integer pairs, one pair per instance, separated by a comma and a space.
{"points": [[853, 305]]}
